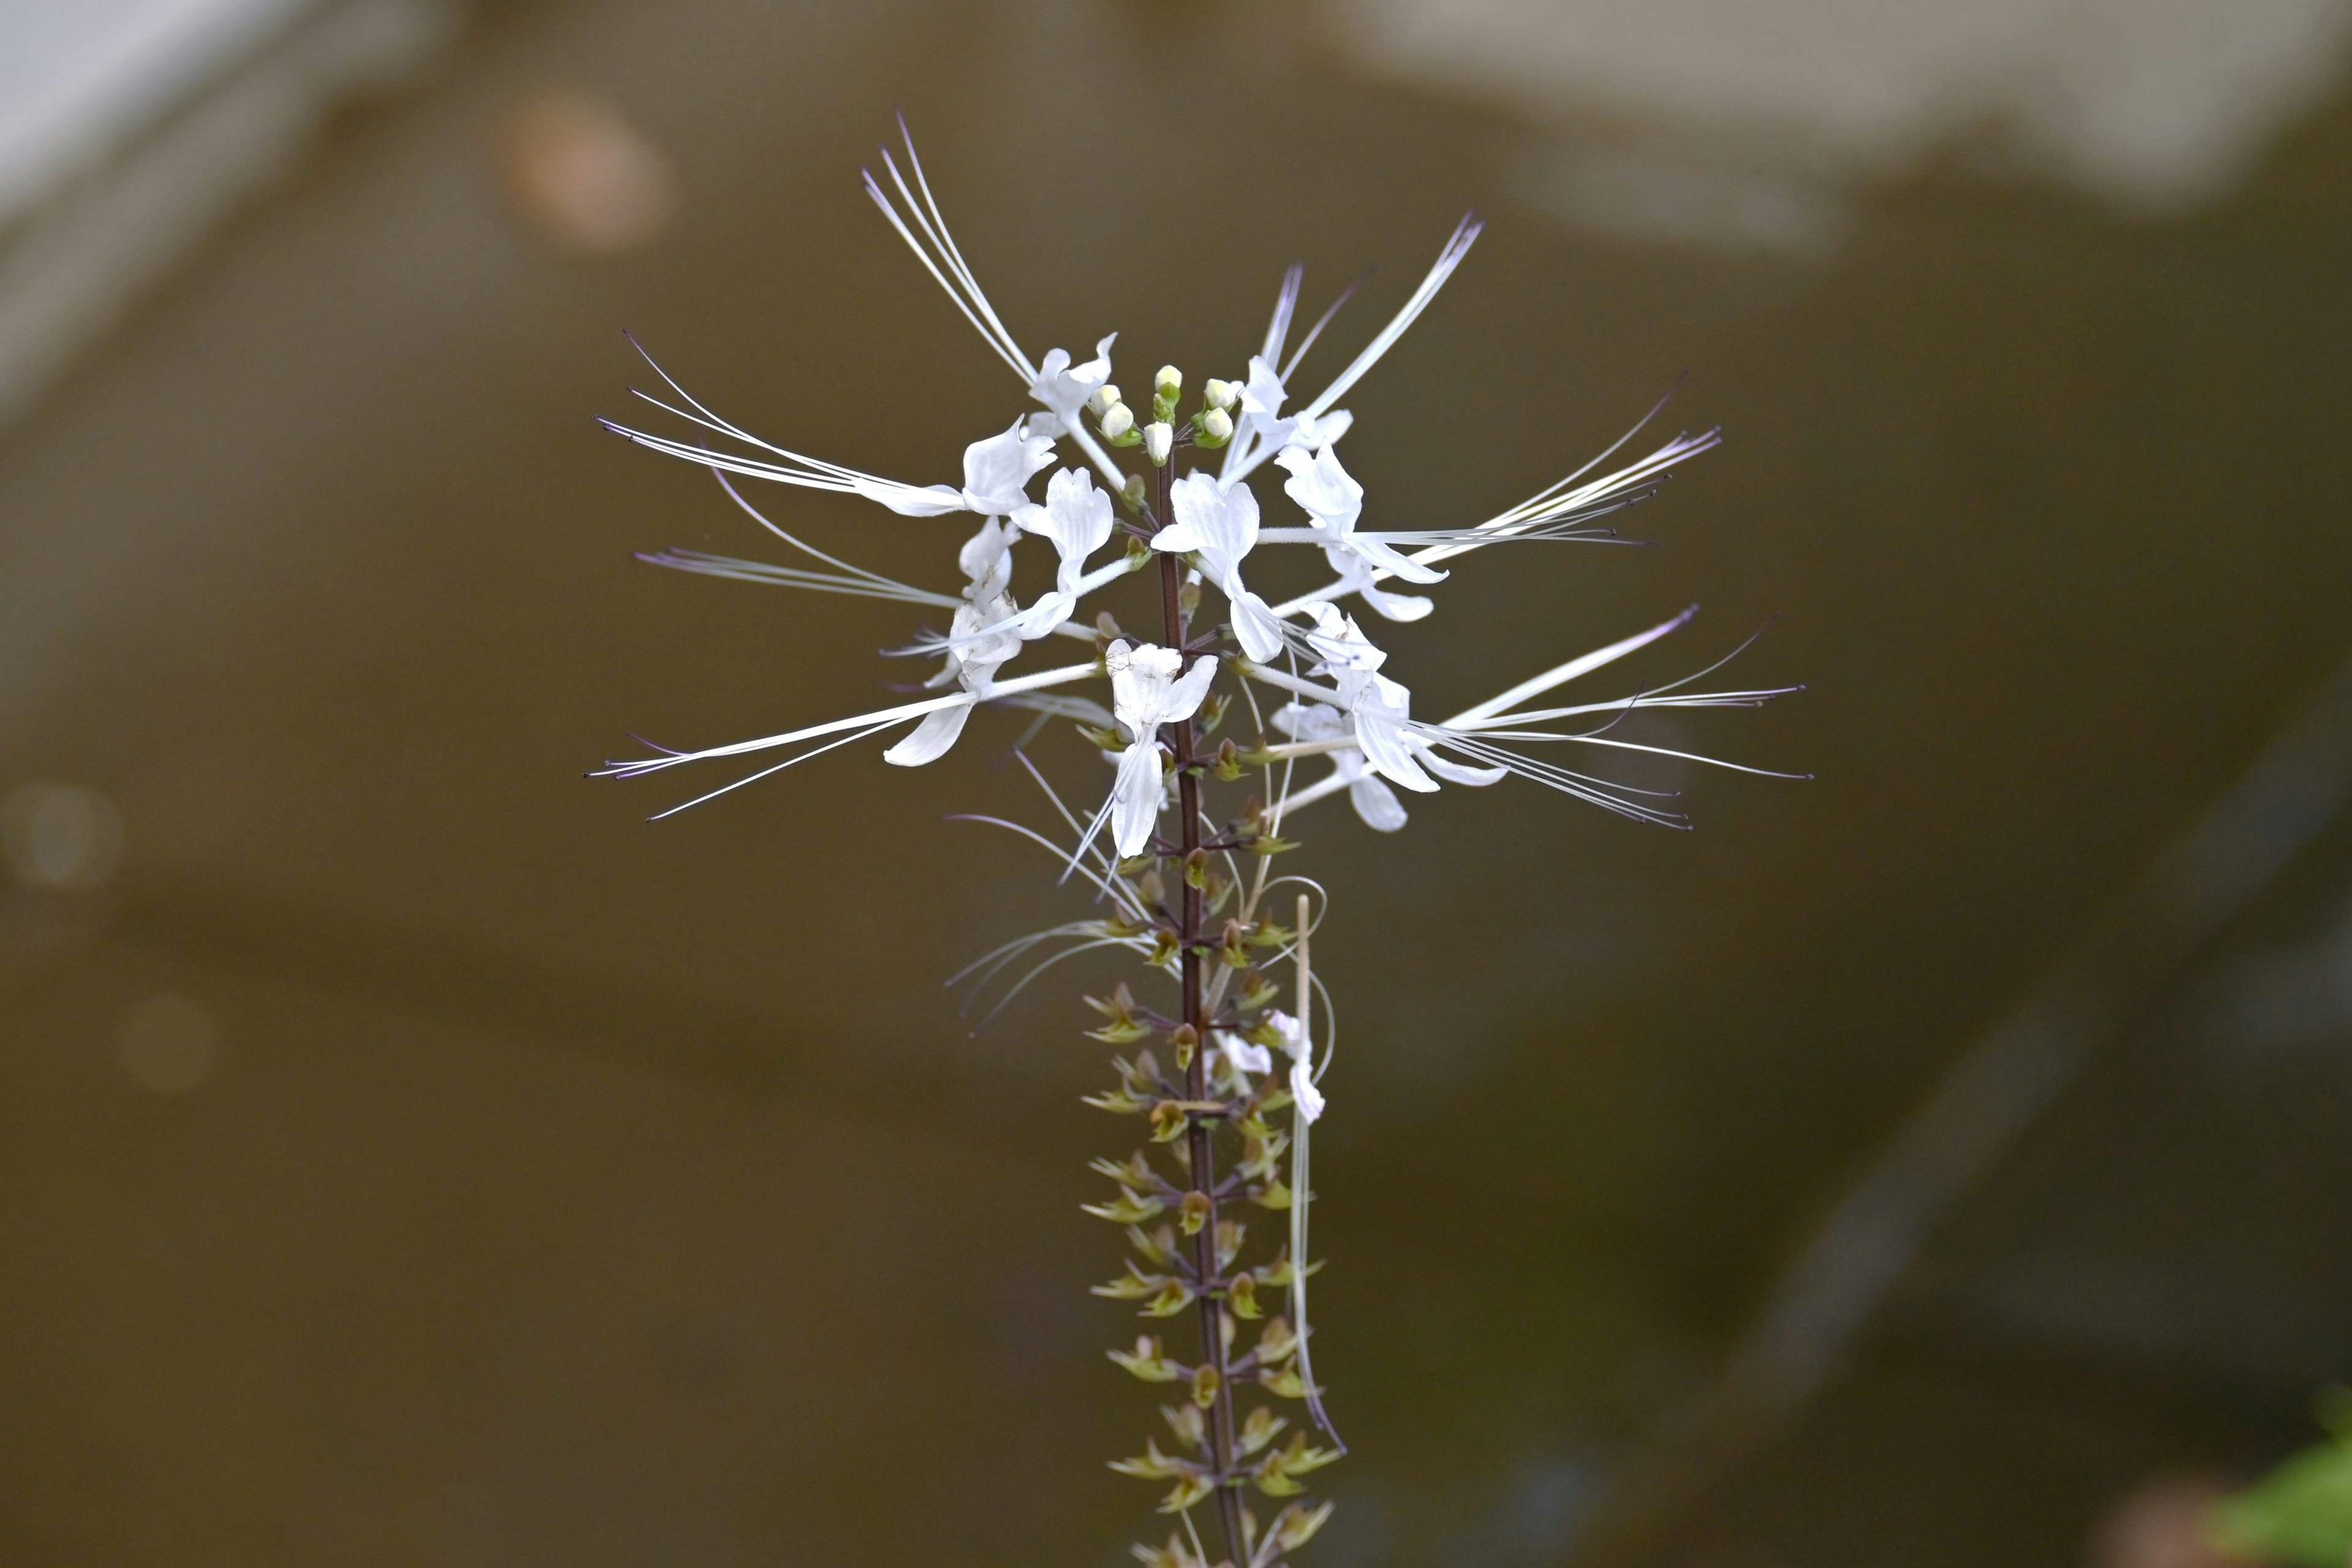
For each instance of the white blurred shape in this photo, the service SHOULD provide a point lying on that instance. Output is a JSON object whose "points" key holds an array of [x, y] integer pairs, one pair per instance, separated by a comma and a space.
{"points": [[129, 129], [2154, 104], [60, 835], [168, 1044], [78, 76]]}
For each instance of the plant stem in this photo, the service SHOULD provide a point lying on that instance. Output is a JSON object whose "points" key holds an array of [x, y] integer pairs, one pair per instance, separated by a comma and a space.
{"points": [[1196, 1073]]}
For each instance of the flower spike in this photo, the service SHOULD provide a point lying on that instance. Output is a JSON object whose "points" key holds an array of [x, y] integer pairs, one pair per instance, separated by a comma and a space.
{"points": [[1183, 880]]}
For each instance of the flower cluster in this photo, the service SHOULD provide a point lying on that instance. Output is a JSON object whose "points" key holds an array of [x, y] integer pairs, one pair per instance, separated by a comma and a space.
{"points": [[1135, 493]]}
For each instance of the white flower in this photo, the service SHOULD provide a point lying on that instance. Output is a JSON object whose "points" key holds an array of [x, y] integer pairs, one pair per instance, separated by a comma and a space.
{"points": [[1244, 1056], [1076, 518], [976, 647], [1380, 709], [1220, 527], [1327, 492], [987, 559], [1320, 722], [972, 664], [997, 471], [1066, 388], [1147, 692], [1301, 1052], [1262, 428]]}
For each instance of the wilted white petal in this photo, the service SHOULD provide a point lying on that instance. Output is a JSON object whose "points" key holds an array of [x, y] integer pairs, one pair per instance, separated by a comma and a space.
{"points": [[1248, 1057], [1303, 1090]]}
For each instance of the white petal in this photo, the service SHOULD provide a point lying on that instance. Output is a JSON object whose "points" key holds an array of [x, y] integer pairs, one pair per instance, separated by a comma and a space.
{"points": [[1386, 558], [1184, 699], [1136, 796], [1323, 489], [1458, 772], [1377, 804], [1256, 626], [1394, 607], [910, 500], [931, 738], [1041, 619], [1379, 715]]}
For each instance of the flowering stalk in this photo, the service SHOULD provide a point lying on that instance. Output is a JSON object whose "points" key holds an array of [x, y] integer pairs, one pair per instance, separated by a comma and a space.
{"points": [[1215, 1146]]}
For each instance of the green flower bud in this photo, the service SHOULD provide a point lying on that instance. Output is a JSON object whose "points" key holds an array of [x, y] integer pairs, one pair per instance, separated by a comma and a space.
{"points": [[1116, 421], [1216, 429], [1195, 1214], [1168, 382], [1220, 395]]}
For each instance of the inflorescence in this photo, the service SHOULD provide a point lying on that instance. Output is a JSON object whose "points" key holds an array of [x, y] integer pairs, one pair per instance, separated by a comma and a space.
{"points": [[1195, 898]]}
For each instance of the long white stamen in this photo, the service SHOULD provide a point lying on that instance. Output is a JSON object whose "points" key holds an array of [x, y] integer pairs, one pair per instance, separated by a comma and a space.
{"points": [[1583, 664], [881, 718], [763, 772], [1538, 513], [1466, 234]]}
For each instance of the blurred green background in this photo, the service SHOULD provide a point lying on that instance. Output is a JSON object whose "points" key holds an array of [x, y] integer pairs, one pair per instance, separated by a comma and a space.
{"points": [[409, 1156]]}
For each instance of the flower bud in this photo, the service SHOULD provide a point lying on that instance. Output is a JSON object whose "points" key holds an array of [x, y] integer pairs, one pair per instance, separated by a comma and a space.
{"points": [[1105, 395], [1297, 1527], [1187, 1422], [1188, 600], [1159, 440], [1220, 395], [1195, 1214], [1258, 1430], [1132, 492], [1168, 382], [1216, 429], [1116, 421], [1204, 1385]]}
